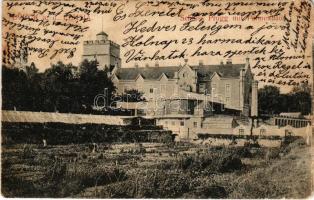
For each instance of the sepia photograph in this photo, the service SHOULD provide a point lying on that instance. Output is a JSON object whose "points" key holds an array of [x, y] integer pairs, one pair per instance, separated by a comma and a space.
{"points": [[179, 99]]}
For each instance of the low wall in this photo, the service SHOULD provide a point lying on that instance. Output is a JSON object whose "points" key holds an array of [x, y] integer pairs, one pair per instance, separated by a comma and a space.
{"points": [[44, 117]]}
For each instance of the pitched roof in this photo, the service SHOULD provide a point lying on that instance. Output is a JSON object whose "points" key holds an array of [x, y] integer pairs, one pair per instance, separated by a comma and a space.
{"points": [[204, 72], [152, 73], [223, 70]]}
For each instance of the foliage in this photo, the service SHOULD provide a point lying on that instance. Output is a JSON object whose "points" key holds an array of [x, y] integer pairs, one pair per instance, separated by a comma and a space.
{"points": [[288, 177], [60, 133], [16, 89], [268, 100], [271, 101], [212, 162], [59, 88], [94, 82]]}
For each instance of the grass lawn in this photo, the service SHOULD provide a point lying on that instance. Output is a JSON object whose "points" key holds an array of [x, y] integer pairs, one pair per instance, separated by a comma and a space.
{"points": [[155, 170]]}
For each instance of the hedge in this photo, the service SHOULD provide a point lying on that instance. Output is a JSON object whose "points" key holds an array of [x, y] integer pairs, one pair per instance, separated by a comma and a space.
{"points": [[60, 133]]}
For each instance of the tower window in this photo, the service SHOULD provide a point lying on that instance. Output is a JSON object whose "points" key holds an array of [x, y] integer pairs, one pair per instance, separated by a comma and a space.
{"points": [[228, 90]]}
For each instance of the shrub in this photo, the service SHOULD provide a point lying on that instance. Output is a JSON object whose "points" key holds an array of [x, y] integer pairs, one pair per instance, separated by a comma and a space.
{"points": [[272, 153], [123, 189], [286, 148], [244, 152], [28, 152], [16, 187], [158, 184], [84, 156], [205, 192], [222, 161], [100, 156]]}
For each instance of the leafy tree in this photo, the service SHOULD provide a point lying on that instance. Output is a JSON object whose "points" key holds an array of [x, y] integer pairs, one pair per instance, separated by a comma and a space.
{"points": [[21, 88], [269, 100], [304, 87], [300, 99], [57, 88], [94, 82], [272, 102], [35, 93], [31, 71], [15, 89]]}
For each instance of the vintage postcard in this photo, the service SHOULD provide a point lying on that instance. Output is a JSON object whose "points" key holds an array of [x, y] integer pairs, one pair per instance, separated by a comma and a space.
{"points": [[157, 99]]}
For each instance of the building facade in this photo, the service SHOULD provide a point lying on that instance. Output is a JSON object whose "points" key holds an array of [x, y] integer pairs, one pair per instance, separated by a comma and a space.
{"points": [[230, 88], [189, 100]]}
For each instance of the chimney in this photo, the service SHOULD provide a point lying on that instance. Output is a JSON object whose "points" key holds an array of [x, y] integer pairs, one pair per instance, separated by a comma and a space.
{"points": [[156, 64], [175, 74], [254, 104], [136, 65], [146, 65], [229, 61], [242, 73], [200, 63], [221, 62], [247, 63]]}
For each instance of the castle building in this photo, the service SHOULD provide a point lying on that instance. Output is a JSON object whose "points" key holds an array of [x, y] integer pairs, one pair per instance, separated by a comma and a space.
{"points": [[231, 88], [191, 99], [104, 50], [185, 99]]}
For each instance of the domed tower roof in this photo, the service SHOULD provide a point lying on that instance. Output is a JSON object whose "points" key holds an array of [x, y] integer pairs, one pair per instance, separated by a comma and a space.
{"points": [[102, 33], [102, 36]]}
